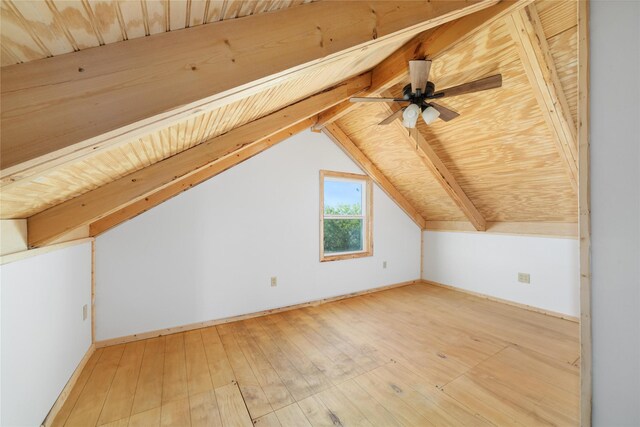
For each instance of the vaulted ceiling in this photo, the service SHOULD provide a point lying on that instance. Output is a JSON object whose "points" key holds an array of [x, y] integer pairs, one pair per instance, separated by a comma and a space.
{"points": [[500, 150], [108, 111]]}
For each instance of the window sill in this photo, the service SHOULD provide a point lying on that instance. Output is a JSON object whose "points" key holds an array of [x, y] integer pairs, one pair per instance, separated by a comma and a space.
{"points": [[327, 258]]}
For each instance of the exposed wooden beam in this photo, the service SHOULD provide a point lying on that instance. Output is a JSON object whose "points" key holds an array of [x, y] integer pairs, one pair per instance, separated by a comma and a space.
{"points": [[337, 135], [429, 44], [446, 179], [584, 218], [187, 182], [68, 105], [528, 35], [439, 170], [96, 204], [13, 233], [553, 229]]}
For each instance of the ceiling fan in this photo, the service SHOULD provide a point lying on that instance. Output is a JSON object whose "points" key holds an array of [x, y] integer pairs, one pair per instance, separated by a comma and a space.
{"points": [[421, 91]]}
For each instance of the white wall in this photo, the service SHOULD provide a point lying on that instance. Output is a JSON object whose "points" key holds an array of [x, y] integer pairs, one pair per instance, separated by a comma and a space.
{"points": [[43, 334], [615, 211], [210, 252], [490, 263]]}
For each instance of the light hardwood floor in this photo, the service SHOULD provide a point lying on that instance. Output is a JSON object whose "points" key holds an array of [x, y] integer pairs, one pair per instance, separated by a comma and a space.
{"points": [[419, 355]]}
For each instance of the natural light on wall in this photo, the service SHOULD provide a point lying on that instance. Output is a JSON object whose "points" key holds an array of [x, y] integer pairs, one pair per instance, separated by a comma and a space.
{"points": [[345, 219]]}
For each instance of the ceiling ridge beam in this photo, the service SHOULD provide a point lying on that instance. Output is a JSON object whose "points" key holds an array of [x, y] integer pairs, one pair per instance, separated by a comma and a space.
{"points": [[342, 140], [527, 33], [111, 93], [446, 179], [440, 171], [94, 205], [430, 44]]}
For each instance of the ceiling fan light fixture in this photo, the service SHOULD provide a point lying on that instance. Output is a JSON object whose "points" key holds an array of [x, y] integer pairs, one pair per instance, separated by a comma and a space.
{"points": [[430, 115], [410, 116]]}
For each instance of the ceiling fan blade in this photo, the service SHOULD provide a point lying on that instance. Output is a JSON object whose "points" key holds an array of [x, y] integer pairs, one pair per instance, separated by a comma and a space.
{"points": [[419, 73], [357, 99], [446, 114], [491, 82], [391, 118]]}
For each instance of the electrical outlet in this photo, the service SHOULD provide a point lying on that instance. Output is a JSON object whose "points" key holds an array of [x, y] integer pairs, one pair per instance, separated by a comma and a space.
{"points": [[384, 264], [84, 312], [524, 278], [274, 281]]}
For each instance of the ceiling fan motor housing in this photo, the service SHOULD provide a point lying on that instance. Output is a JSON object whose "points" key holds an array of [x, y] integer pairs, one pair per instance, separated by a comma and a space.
{"points": [[420, 97]]}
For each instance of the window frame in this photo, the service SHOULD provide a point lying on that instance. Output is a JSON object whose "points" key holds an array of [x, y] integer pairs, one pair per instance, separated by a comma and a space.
{"points": [[367, 215]]}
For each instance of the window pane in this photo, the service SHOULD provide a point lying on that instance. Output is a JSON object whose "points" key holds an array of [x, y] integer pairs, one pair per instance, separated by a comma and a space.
{"points": [[342, 235], [342, 197]]}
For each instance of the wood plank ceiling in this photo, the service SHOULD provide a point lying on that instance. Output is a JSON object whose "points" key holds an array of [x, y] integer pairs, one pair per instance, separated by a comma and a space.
{"points": [[501, 151], [40, 29]]}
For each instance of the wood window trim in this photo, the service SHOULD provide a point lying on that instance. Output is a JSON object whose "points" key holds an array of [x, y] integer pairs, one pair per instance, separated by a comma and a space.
{"points": [[368, 232]]}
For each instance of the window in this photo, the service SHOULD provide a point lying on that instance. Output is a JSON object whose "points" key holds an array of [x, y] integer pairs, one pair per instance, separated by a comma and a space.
{"points": [[345, 216]]}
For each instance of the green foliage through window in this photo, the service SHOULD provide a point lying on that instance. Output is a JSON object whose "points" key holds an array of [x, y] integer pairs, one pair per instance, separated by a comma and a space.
{"points": [[342, 235], [354, 209]]}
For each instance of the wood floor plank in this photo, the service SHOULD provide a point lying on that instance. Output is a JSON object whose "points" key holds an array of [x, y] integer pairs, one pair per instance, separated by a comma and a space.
{"points": [[387, 397], [365, 354], [174, 382], [304, 378], [282, 357], [124, 422], [123, 388], [445, 338], [550, 402], [198, 377], [498, 408], [150, 418], [269, 420], [176, 413], [332, 408], [375, 412], [292, 416], [436, 395], [426, 360], [549, 370], [233, 412], [89, 404], [274, 389], [289, 336], [204, 410], [74, 395], [149, 390], [432, 404], [335, 338], [252, 393], [411, 356], [219, 366], [335, 316], [341, 364]]}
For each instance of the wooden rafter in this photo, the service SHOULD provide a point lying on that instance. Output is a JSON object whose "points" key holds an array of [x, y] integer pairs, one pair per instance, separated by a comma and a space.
{"points": [[429, 44], [96, 204], [528, 35], [446, 180], [110, 94], [184, 184], [333, 131], [440, 172]]}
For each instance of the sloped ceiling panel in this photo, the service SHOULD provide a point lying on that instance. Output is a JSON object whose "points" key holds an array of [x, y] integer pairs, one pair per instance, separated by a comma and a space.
{"points": [[40, 29], [500, 149]]}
